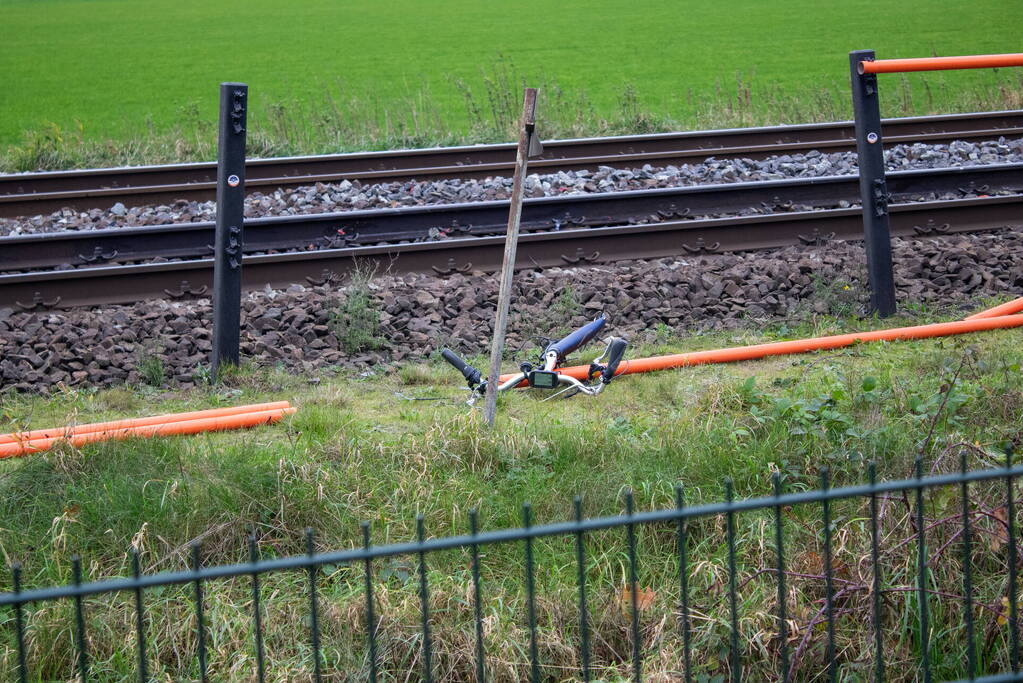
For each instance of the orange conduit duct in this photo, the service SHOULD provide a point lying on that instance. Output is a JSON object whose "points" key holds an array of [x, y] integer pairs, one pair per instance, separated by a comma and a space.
{"points": [[888, 66], [1014, 306], [206, 424], [756, 351], [65, 432]]}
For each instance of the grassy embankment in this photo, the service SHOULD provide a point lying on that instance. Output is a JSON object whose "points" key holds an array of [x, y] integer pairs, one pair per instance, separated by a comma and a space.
{"points": [[358, 450], [111, 82]]}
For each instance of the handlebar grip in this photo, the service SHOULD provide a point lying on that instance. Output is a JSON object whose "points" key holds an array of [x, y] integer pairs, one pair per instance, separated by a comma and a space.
{"points": [[616, 351], [582, 336], [471, 374]]}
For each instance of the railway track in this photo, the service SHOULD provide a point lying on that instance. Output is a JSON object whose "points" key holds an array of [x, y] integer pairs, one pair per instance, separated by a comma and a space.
{"points": [[38, 193], [572, 230]]}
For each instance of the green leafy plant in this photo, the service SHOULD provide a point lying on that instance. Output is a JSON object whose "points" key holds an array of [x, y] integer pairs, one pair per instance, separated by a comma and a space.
{"points": [[356, 320], [835, 296], [153, 370]]}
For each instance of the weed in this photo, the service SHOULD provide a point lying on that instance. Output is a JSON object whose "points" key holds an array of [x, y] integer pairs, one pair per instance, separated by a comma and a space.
{"points": [[664, 334], [567, 305], [836, 297], [120, 399], [413, 375], [152, 370], [356, 321], [559, 312], [204, 374], [48, 147]]}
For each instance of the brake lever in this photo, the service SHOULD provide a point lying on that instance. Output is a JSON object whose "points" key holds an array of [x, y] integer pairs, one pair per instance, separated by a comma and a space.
{"points": [[596, 365]]}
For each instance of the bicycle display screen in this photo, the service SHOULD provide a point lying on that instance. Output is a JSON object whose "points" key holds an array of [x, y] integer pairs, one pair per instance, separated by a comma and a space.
{"points": [[542, 379]]}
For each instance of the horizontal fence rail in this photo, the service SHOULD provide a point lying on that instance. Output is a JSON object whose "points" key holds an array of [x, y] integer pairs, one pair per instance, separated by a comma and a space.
{"points": [[890, 66], [991, 656]]}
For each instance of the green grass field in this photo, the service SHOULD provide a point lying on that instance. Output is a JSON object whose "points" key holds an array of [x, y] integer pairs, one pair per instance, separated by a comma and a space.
{"points": [[399, 71], [358, 451]]}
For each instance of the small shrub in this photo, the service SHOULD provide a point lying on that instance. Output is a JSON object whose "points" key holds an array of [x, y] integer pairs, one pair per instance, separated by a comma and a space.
{"points": [[149, 363], [152, 369], [356, 321], [837, 297]]}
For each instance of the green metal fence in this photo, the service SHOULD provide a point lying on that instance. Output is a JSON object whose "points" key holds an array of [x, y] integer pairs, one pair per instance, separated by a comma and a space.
{"points": [[994, 658]]}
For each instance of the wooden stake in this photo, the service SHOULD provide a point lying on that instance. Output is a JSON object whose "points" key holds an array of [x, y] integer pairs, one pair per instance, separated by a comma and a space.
{"points": [[526, 133]]}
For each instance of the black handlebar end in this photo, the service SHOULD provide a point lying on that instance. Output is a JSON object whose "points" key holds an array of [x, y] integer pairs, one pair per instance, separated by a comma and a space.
{"points": [[471, 374]]}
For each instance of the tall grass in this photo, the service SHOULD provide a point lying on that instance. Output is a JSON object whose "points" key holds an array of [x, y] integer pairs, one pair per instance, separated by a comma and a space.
{"points": [[358, 449], [346, 122]]}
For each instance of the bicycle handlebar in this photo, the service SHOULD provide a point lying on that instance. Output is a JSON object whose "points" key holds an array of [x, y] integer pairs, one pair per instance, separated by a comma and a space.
{"points": [[471, 374], [614, 353], [573, 341]]}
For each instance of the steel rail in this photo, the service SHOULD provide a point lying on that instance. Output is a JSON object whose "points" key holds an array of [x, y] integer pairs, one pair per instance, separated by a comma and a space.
{"points": [[36, 193], [355, 228], [566, 248]]}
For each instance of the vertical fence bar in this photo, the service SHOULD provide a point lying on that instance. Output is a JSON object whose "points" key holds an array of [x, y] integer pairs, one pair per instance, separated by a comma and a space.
{"points": [[829, 587], [314, 612], [873, 188], [921, 545], [83, 648], [19, 625], [257, 615], [964, 491], [227, 268], [140, 619], [683, 582], [875, 558], [534, 655], [371, 620], [1010, 508], [630, 528], [779, 544], [424, 599], [200, 622], [477, 603], [732, 584], [580, 563]]}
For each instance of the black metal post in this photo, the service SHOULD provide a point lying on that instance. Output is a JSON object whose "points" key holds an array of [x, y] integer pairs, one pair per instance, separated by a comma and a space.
{"points": [[873, 189], [227, 269]]}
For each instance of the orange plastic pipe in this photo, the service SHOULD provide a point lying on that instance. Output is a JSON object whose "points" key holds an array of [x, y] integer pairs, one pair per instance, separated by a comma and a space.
{"points": [[1014, 306], [799, 346], [888, 66], [206, 424], [64, 432]]}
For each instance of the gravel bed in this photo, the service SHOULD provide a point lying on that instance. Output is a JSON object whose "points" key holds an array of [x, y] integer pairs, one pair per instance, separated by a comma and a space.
{"points": [[297, 328], [348, 196]]}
